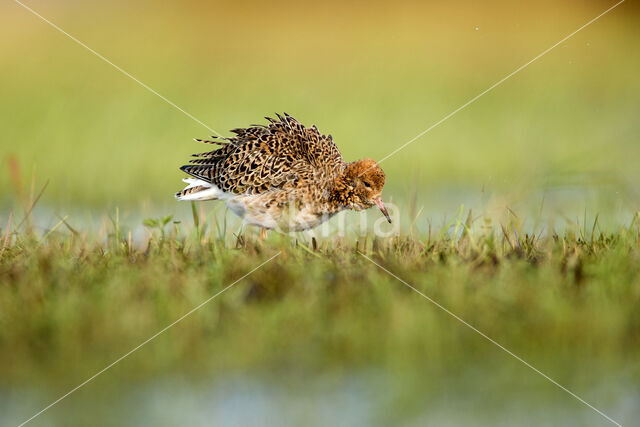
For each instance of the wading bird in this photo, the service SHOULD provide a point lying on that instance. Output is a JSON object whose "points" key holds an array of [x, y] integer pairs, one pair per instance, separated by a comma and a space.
{"points": [[282, 176]]}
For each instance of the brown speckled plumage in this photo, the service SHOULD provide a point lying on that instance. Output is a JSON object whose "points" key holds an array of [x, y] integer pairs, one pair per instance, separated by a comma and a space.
{"points": [[282, 175]]}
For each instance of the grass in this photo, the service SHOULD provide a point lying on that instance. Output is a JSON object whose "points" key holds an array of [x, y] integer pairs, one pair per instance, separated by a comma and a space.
{"points": [[72, 302]]}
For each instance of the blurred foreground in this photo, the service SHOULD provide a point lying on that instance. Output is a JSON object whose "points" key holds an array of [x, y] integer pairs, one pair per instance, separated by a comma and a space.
{"points": [[320, 328]]}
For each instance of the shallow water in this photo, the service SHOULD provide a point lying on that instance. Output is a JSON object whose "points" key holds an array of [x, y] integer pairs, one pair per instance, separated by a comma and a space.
{"points": [[352, 400], [538, 211]]}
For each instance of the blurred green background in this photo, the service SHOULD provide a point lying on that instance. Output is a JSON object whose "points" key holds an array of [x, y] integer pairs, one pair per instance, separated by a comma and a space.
{"points": [[373, 75], [342, 341]]}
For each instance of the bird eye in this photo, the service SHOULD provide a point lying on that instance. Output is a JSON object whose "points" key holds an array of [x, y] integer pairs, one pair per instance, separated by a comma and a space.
{"points": [[366, 184]]}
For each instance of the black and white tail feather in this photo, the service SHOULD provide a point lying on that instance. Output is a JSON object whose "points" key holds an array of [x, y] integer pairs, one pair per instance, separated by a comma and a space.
{"points": [[198, 189]]}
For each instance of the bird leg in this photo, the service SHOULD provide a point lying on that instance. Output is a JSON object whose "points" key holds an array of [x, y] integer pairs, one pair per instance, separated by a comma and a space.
{"points": [[263, 234]]}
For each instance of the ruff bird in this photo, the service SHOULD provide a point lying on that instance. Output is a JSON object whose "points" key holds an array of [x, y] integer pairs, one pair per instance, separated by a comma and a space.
{"points": [[282, 175]]}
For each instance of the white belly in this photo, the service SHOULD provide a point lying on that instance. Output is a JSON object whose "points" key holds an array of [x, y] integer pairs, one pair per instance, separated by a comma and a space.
{"points": [[253, 211]]}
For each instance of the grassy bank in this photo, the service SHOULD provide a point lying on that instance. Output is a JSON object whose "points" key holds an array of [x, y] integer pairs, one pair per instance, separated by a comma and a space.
{"points": [[567, 303]]}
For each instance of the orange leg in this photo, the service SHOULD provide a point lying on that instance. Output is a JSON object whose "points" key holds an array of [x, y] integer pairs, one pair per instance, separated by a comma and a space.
{"points": [[263, 234]]}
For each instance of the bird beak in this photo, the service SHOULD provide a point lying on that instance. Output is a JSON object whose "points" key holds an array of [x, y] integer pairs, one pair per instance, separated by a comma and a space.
{"points": [[378, 202]]}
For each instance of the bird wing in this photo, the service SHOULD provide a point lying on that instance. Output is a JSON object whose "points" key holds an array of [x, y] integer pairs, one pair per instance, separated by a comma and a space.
{"points": [[282, 154]]}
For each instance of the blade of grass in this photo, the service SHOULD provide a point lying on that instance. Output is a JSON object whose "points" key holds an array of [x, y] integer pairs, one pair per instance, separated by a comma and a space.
{"points": [[505, 235], [196, 218], [516, 234], [415, 218], [69, 227], [7, 233], [33, 204], [593, 229], [458, 222], [53, 229], [306, 248]]}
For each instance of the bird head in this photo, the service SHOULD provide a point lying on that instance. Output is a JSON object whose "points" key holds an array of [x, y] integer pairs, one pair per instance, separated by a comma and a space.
{"points": [[366, 180]]}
